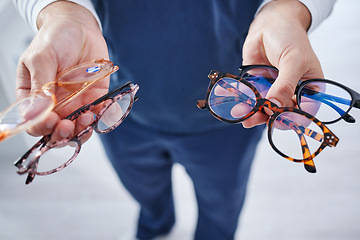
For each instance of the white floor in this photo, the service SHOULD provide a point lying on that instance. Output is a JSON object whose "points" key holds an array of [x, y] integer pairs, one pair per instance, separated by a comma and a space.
{"points": [[86, 201]]}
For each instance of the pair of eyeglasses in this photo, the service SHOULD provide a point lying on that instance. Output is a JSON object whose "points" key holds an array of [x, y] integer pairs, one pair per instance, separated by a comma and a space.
{"points": [[294, 134], [109, 111], [69, 84], [328, 100]]}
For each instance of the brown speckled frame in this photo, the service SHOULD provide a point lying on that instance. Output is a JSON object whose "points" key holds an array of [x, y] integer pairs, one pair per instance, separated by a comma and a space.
{"points": [[43, 145]]}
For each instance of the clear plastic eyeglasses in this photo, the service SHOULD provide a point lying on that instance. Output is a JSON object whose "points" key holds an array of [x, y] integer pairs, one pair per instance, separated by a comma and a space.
{"points": [[69, 84], [109, 111], [292, 133], [328, 100]]}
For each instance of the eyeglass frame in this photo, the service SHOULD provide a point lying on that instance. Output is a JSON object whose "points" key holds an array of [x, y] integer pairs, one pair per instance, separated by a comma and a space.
{"points": [[330, 139], [42, 146], [355, 96], [46, 90]]}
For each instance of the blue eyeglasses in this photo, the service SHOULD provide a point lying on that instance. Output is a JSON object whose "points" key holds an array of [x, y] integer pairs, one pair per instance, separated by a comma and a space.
{"points": [[328, 100]]}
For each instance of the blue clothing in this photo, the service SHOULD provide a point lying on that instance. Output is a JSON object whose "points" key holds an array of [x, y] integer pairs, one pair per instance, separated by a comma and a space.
{"points": [[218, 162], [168, 47]]}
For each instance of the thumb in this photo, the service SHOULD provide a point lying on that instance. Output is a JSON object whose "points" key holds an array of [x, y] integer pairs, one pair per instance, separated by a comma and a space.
{"points": [[290, 73], [283, 89], [32, 74]]}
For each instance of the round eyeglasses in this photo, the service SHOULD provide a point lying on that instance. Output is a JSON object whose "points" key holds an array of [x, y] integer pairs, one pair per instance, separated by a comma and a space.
{"points": [[233, 99], [69, 84], [109, 111]]}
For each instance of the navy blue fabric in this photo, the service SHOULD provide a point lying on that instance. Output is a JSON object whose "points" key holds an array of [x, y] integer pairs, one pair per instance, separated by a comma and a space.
{"points": [[217, 161], [168, 47]]}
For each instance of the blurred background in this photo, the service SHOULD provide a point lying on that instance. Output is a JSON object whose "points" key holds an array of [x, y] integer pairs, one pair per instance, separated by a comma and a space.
{"points": [[86, 200]]}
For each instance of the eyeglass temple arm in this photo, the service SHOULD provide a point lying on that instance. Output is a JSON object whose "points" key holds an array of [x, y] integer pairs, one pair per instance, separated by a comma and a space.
{"points": [[31, 175], [328, 99], [300, 130], [42, 141], [86, 85], [309, 165]]}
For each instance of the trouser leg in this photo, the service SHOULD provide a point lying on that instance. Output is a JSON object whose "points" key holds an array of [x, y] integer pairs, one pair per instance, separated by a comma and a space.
{"points": [[144, 168], [219, 163]]}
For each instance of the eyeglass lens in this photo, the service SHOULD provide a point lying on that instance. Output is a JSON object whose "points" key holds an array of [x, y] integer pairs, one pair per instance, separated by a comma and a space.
{"points": [[326, 101], [231, 99], [261, 77], [114, 113], [50, 160], [24, 112], [288, 135]]}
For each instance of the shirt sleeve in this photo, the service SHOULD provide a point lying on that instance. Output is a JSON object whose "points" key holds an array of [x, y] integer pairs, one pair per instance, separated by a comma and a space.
{"points": [[30, 9], [319, 10]]}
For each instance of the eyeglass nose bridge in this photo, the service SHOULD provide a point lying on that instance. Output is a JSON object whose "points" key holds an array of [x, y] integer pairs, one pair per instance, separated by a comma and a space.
{"points": [[268, 107]]}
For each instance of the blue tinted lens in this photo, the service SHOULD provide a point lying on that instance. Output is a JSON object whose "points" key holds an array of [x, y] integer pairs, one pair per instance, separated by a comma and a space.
{"points": [[326, 101], [231, 99], [262, 78]]}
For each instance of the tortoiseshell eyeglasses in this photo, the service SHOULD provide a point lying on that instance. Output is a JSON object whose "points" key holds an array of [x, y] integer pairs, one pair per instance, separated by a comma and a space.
{"points": [[292, 133], [109, 111]]}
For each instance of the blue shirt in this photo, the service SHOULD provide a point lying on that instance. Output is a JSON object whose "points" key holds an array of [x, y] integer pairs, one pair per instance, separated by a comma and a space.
{"points": [[168, 47]]}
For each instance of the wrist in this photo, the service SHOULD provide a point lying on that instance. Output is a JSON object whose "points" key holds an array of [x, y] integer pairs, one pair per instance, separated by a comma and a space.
{"points": [[66, 10], [291, 10]]}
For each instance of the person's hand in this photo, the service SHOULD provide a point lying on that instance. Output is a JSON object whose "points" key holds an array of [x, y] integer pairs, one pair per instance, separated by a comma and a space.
{"points": [[68, 35], [278, 37]]}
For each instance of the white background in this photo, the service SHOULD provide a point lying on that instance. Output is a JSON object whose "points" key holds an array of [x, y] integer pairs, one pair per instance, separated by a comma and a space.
{"points": [[86, 201]]}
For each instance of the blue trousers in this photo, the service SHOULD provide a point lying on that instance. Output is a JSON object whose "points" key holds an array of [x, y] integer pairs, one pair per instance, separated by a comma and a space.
{"points": [[218, 162]]}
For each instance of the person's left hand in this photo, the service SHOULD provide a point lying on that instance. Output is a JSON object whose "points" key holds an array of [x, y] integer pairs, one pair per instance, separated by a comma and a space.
{"points": [[278, 37]]}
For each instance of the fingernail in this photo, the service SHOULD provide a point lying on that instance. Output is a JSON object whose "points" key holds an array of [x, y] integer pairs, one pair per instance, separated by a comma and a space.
{"points": [[86, 119], [273, 100], [64, 133], [268, 111]]}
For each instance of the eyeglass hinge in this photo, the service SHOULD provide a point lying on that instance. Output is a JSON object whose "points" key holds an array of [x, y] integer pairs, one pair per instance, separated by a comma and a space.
{"points": [[331, 140]]}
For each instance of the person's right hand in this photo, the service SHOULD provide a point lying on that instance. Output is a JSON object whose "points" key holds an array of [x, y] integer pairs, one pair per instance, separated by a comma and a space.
{"points": [[68, 35], [278, 37]]}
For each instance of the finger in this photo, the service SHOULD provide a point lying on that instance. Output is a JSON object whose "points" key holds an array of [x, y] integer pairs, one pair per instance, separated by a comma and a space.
{"points": [[64, 129], [293, 67], [46, 126], [43, 69], [23, 81], [291, 70], [255, 120], [83, 121], [112, 115]]}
